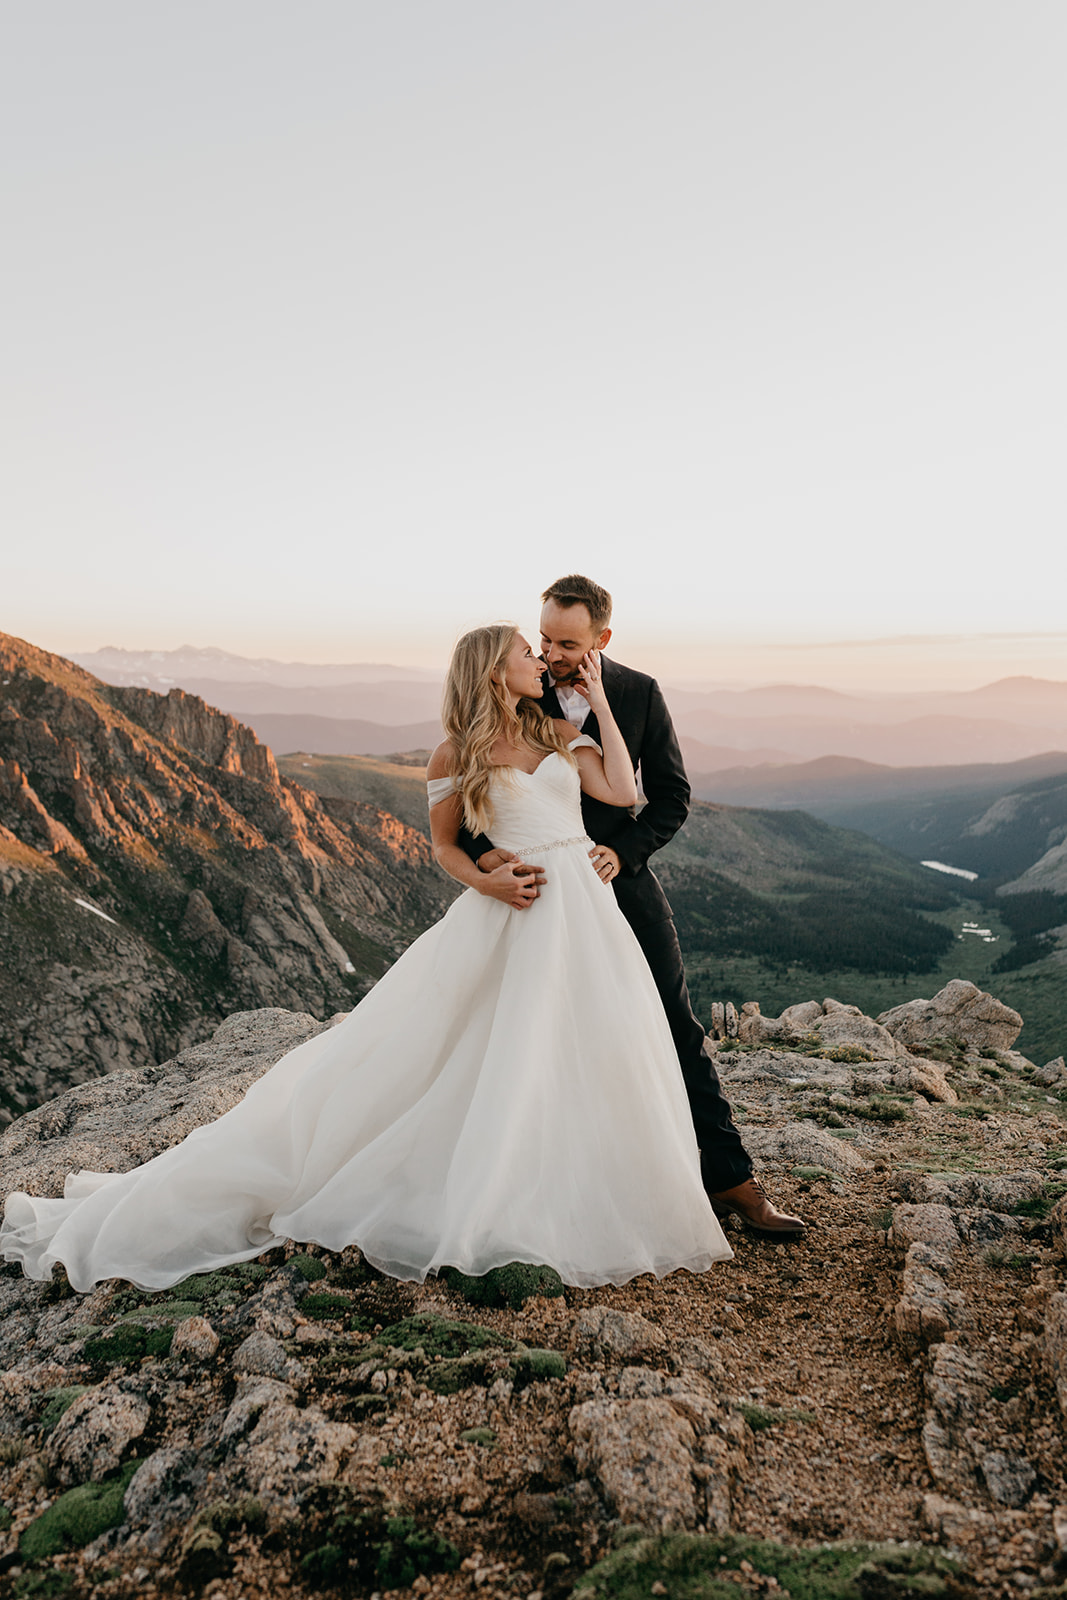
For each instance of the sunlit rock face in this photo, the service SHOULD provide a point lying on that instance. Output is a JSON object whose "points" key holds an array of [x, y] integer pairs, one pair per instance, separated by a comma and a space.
{"points": [[157, 873]]}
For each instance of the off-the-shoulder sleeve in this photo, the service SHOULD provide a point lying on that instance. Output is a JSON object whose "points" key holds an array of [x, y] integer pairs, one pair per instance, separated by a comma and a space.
{"points": [[438, 789], [590, 744]]}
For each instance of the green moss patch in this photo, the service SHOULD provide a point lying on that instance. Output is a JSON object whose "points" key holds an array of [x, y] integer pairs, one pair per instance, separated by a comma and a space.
{"points": [[42, 1585], [308, 1267], [325, 1307], [697, 1567], [760, 1417], [205, 1550], [510, 1285], [408, 1550], [166, 1311], [1039, 1205], [347, 1542], [538, 1366], [440, 1336], [130, 1341], [449, 1356], [77, 1517], [59, 1401]]}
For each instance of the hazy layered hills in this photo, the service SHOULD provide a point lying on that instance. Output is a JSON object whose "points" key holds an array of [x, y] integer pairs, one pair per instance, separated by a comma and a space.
{"points": [[158, 872], [363, 708], [151, 669], [1004, 721]]}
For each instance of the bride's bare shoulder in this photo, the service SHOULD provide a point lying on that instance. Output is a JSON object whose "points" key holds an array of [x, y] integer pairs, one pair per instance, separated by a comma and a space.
{"points": [[443, 762], [566, 730]]}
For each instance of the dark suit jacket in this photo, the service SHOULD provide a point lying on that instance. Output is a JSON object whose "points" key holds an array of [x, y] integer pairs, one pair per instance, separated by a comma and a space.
{"points": [[640, 710]]}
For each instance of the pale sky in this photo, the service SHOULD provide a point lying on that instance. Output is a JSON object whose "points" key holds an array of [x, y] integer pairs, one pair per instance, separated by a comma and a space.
{"points": [[331, 329]]}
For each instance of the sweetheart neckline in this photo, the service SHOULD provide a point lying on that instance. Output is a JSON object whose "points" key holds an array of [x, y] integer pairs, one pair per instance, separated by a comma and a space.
{"points": [[507, 766]]}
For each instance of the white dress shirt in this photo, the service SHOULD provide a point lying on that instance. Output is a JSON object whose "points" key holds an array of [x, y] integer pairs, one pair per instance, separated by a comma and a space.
{"points": [[573, 705]]}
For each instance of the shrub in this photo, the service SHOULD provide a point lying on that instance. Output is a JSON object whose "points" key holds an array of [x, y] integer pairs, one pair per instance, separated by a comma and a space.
{"points": [[882, 1108]]}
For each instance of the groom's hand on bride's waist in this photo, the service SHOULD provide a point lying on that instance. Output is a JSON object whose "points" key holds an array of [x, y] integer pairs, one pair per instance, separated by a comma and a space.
{"points": [[508, 878], [606, 861]]}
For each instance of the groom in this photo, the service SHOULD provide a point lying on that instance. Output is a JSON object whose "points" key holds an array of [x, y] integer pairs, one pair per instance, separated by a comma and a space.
{"points": [[575, 618]]}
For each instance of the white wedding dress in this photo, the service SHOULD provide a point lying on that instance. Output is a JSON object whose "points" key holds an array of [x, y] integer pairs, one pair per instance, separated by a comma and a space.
{"points": [[508, 1091]]}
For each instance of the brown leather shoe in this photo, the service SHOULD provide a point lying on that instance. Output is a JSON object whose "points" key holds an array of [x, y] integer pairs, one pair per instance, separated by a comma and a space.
{"points": [[751, 1204]]}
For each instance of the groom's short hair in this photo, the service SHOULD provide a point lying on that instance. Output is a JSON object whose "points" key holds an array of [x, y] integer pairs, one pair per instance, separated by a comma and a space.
{"points": [[576, 590]]}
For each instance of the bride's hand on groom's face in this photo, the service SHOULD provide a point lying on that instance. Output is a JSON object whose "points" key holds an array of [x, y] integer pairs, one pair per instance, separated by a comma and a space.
{"points": [[588, 681]]}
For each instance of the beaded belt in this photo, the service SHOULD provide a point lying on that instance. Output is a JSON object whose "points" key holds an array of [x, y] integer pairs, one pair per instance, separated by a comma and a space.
{"points": [[556, 844]]}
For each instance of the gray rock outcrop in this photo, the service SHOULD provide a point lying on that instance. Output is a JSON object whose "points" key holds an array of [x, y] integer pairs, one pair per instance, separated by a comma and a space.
{"points": [[960, 1012], [118, 1121], [831, 1025]]}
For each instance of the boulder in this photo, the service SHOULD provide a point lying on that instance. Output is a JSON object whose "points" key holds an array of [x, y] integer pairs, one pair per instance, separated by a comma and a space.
{"points": [[958, 1526], [162, 1493], [641, 1453], [91, 1437], [1009, 1478], [927, 1308], [803, 1144], [599, 1331], [194, 1340], [834, 1025], [274, 1309], [931, 1225], [1053, 1073], [658, 1451], [288, 1452], [1058, 1222], [956, 1386], [260, 1356], [1054, 1346], [1001, 1192], [123, 1119], [960, 1012], [925, 1078]]}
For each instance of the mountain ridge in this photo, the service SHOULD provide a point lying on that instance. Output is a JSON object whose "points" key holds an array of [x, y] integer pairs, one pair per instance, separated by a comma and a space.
{"points": [[158, 871]]}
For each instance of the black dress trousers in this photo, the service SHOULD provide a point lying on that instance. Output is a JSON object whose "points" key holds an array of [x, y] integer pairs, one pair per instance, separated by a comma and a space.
{"points": [[724, 1161]]}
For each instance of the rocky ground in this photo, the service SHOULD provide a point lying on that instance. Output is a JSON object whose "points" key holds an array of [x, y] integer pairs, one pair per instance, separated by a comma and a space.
{"points": [[876, 1410]]}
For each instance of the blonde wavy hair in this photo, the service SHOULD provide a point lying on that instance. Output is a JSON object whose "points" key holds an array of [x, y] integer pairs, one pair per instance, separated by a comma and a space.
{"points": [[475, 713]]}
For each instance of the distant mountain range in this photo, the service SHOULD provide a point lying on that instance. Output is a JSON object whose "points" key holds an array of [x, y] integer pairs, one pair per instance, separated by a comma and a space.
{"points": [[149, 669], [374, 709], [996, 820]]}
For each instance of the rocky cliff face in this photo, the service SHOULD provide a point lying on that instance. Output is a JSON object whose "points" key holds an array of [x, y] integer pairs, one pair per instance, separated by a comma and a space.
{"points": [[156, 873], [873, 1411]]}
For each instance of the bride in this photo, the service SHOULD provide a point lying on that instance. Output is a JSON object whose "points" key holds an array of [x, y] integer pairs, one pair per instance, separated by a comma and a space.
{"points": [[508, 1091]]}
